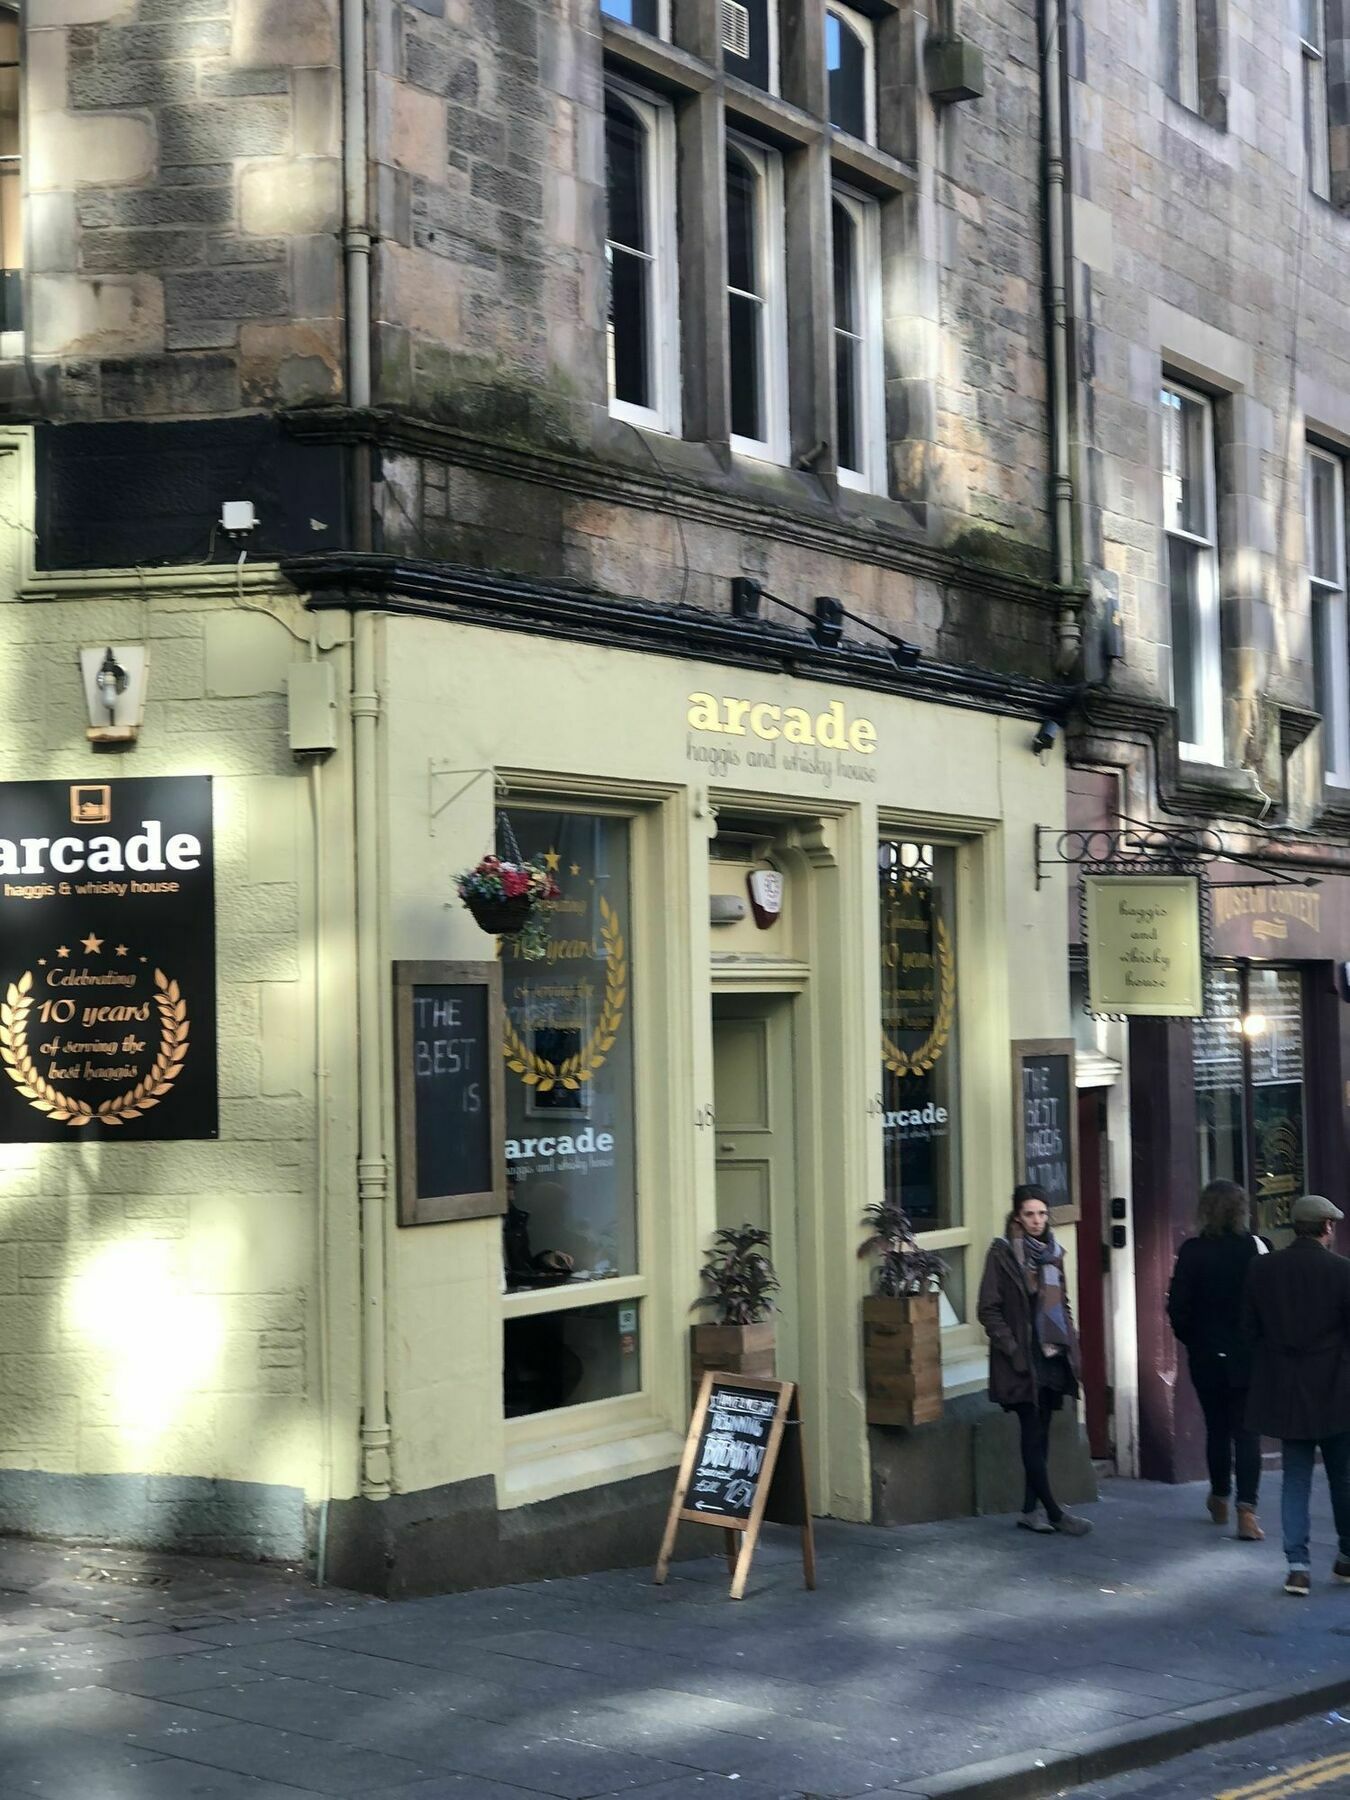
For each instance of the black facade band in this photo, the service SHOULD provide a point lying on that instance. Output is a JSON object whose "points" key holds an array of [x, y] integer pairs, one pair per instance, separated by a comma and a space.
{"points": [[444, 591]]}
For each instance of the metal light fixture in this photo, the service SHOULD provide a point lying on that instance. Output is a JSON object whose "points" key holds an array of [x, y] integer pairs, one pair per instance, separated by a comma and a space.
{"points": [[114, 691], [828, 630], [1045, 738]]}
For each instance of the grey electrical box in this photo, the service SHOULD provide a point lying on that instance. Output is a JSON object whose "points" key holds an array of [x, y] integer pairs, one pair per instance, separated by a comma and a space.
{"points": [[311, 708], [955, 69]]}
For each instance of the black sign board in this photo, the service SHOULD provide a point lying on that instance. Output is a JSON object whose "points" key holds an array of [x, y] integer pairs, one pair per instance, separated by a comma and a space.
{"points": [[729, 1458], [1045, 1114], [452, 1141], [743, 1463], [107, 960]]}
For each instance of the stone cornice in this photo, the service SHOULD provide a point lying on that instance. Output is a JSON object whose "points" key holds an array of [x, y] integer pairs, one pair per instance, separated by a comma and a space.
{"points": [[439, 590], [670, 490]]}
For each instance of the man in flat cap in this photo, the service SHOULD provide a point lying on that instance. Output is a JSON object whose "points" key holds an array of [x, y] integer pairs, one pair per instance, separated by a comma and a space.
{"points": [[1297, 1316]]}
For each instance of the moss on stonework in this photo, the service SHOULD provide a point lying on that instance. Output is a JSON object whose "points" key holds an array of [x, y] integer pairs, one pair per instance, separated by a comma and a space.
{"points": [[994, 551], [475, 394]]}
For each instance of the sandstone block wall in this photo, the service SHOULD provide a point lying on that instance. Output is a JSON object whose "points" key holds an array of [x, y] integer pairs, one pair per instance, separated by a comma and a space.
{"points": [[184, 204]]}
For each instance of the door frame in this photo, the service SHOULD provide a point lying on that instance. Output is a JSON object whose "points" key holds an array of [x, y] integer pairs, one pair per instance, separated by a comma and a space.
{"points": [[774, 997]]}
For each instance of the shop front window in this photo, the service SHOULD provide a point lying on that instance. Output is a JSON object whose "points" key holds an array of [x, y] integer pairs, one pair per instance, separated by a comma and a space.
{"points": [[1249, 1087], [1220, 1086], [920, 1077], [1275, 1036], [570, 1154]]}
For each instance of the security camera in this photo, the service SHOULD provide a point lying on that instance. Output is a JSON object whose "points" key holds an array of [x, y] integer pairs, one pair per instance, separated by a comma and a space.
{"points": [[1045, 738]]}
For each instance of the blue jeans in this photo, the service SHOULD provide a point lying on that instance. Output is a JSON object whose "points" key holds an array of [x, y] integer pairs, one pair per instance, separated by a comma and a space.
{"points": [[1296, 1492]]}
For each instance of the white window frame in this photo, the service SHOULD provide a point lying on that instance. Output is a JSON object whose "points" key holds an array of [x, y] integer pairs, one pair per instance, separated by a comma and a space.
{"points": [[864, 29], [658, 121], [1206, 636], [662, 19], [1316, 109], [1188, 54], [1330, 630], [866, 217], [771, 255]]}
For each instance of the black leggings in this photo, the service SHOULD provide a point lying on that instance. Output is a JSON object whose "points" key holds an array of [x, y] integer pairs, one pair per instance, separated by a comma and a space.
{"points": [[1035, 1423], [1228, 1441]]}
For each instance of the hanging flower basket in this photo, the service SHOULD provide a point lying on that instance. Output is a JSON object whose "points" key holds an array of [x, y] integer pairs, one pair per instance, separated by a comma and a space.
{"points": [[510, 900], [502, 917]]}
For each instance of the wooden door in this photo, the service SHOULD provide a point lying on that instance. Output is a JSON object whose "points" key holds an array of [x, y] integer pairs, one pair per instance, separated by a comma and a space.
{"points": [[756, 1140]]}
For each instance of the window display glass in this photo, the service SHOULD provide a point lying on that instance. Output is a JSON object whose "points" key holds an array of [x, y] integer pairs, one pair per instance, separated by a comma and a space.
{"points": [[570, 1161], [919, 1048]]}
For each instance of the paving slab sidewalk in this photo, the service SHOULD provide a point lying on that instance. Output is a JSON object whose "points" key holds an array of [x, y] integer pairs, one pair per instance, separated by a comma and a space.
{"points": [[963, 1658]]}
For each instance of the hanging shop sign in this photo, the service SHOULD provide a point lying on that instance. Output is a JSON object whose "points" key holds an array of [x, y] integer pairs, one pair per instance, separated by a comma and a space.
{"points": [[107, 960], [1144, 943], [743, 1463], [450, 1085], [1045, 1117]]}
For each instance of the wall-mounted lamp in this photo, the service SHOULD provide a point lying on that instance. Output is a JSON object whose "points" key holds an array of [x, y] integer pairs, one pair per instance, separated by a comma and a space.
{"points": [[746, 594], [828, 630], [1045, 738], [825, 621], [114, 691]]}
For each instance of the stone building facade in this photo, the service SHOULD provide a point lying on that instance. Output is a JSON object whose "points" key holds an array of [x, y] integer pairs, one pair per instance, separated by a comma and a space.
{"points": [[1212, 406], [353, 263]]}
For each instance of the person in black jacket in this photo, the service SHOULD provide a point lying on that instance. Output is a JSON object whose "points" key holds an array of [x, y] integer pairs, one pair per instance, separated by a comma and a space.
{"points": [[1204, 1304], [1297, 1316]]}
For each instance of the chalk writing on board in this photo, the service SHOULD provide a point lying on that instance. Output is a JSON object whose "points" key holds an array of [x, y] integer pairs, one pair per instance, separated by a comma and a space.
{"points": [[1046, 1099], [731, 1450], [449, 1060]]}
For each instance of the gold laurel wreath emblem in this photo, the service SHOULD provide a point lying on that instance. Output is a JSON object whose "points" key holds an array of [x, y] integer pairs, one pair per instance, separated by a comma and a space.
{"points": [[537, 1071], [65, 1108], [920, 1061]]}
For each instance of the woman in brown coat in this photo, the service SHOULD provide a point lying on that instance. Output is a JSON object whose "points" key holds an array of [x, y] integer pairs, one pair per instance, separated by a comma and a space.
{"points": [[1033, 1348]]}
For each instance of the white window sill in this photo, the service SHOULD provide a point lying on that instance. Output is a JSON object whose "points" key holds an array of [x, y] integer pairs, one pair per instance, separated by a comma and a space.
{"points": [[755, 451], [645, 418]]}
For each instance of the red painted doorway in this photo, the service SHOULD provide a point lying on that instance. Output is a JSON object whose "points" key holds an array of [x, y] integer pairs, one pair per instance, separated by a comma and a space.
{"points": [[1093, 1267]]}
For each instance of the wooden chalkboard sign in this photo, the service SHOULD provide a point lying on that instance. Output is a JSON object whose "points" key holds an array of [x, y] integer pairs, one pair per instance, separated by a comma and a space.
{"points": [[451, 1091], [743, 1463], [1045, 1117]]}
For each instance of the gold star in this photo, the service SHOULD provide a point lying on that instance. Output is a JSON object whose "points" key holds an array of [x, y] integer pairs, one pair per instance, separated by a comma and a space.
{"points": [[122, 950], [576, 868], [62, 950], [551, 861], [42, 962], [92, 945]]}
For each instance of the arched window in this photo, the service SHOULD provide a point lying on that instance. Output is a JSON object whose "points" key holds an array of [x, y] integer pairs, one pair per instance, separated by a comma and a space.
{"points": [[756, 313], [860, 453], [639, 249], [848, 61]]}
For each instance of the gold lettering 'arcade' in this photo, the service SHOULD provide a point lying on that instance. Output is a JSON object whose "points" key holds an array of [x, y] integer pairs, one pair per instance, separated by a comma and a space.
{"points": [[830, 729]]}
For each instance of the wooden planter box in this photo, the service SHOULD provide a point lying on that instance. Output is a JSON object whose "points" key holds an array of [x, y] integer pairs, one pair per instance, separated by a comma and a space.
{"points": [[902, 1359], [739, 1349]]}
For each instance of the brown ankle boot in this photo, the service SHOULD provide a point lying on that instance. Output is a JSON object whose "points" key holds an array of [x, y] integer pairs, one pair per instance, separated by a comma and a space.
{"points": [[1248, 1529], [1218, 1509]]}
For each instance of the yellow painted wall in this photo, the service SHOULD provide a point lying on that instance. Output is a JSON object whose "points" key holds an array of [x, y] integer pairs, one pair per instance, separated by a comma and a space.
{"points": [[593, 723], [160, 1301]]}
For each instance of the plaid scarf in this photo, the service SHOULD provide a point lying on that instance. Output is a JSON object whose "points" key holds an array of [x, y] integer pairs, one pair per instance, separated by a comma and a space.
{"points": [[1042, 1264]]}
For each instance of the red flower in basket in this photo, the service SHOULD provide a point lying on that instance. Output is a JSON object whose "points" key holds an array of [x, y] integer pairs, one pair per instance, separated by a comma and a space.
{"points": [[508, 899]]}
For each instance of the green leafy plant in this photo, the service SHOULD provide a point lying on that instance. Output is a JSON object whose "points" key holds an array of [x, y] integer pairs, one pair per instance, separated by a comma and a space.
{"points": [[739, 1275], [902, 1267]]}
